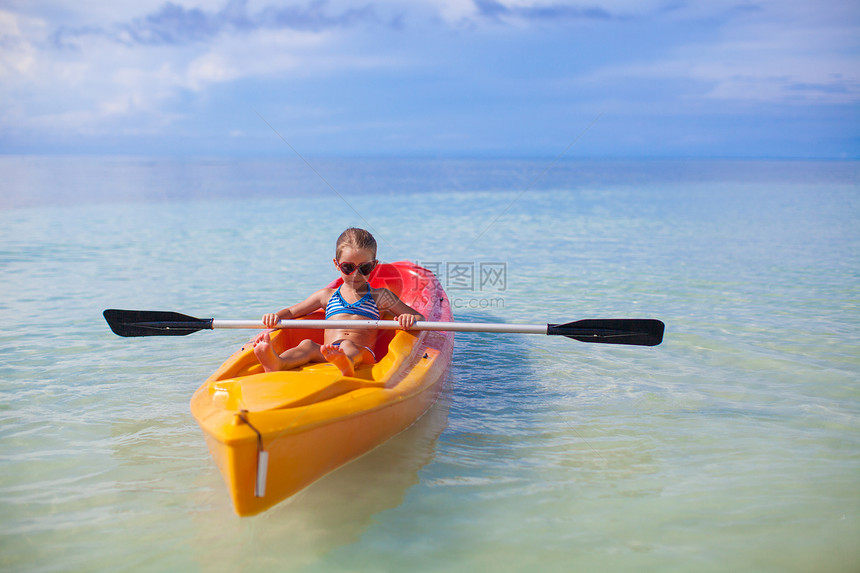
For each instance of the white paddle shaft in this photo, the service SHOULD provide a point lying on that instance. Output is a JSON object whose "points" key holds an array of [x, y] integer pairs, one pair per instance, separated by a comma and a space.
{"points": [[388, 325]]}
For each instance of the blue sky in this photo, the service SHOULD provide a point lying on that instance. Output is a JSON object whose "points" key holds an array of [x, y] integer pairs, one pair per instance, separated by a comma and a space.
{"points": [[616, 78]]}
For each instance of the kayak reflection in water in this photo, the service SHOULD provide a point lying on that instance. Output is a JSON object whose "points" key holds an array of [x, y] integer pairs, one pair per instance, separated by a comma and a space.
{"points": [[355, 258]]}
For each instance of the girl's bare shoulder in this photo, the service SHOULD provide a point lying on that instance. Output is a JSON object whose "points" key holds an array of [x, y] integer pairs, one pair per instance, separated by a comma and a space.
{"points": [[324, 294]]}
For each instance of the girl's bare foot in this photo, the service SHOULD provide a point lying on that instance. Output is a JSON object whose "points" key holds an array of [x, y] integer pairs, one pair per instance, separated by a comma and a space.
{"points": [[339, 358], [266, 354]]}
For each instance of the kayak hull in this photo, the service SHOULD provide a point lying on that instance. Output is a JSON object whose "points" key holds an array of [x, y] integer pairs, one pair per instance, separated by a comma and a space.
{"points": [[273, 434]]}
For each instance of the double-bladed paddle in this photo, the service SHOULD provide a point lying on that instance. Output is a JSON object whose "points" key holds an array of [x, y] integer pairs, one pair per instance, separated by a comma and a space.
{"points": [[632, 331]]}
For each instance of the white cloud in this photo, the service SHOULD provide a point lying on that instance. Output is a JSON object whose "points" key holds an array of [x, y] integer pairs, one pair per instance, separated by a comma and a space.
{"points": [[92, 12], [208, 69], [17, 52], [778, 53], [517, 12], [455, 11], [261, 54], [97, 76], [88, 67]]}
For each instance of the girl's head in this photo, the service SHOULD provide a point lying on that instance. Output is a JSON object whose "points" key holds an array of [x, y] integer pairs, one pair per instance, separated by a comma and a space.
{"points": [[355, 251], [357, 239]]}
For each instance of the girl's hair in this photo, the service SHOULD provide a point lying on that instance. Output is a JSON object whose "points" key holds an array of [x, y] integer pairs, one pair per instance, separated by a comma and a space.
{"points": [[357, 239]]}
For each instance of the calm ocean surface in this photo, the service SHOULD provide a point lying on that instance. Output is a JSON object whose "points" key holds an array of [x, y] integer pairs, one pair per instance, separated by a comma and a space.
{"points": [[734, 446]]}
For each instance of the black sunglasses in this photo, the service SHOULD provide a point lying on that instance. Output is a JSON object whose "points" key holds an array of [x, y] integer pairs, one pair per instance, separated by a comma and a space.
{"points": [[363, 268]]}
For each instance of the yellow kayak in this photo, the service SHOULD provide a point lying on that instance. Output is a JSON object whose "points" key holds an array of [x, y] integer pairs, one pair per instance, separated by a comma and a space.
{"points": [[273, 434]]}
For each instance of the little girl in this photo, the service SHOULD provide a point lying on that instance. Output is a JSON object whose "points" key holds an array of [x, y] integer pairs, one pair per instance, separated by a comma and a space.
{"points": [[355, 299]]}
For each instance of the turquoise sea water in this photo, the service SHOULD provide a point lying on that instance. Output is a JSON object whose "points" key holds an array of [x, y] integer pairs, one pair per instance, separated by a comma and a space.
{"points": [[734, 446]]}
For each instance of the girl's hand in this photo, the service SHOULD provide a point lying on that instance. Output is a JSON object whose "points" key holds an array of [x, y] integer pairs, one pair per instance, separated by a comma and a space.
{"points": [[270, 320], [407, 320]]}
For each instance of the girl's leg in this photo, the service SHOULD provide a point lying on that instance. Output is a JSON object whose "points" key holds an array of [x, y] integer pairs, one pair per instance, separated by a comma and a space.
{"points": [[306, 351], [346, 356]]}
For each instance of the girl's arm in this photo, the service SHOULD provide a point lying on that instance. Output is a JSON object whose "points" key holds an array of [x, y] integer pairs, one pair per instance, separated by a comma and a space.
{"points": [[314, 302], [387, 301]]}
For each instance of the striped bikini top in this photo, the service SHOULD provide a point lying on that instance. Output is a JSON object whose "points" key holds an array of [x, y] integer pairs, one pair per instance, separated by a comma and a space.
{"points": [[365, 306]]}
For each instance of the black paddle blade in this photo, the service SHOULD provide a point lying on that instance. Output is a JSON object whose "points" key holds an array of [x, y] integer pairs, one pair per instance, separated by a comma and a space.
{"points": [[153, 323], [635, 331]]}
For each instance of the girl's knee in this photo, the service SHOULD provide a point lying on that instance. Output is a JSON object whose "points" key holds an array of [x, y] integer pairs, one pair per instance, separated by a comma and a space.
{"points": [[306, 349], [307, 345], [348, 348], [356, 352]]}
